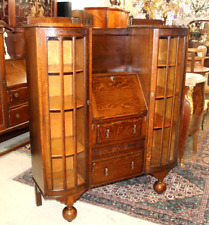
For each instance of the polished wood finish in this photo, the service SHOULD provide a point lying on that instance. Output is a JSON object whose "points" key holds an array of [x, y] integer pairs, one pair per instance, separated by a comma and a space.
{"points": [[119, 120], [105, 17]]}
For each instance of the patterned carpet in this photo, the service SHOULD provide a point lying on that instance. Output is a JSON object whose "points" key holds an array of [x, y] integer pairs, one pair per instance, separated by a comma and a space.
{"points": [[184, 202]]}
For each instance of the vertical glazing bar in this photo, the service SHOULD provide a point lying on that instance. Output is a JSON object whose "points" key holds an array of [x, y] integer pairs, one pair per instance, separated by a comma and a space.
{"points": [[174, 95], [75, 112], [62, 101], [85, 96], [165, 101]]}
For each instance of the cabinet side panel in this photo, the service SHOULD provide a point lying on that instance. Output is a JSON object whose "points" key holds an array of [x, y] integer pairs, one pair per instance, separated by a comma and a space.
{"points": [[34, 106]]}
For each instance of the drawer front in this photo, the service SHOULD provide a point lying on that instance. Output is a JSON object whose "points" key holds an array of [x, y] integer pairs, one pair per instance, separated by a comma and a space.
{"points": [[116, 169], [18, 115], [19, 94], [119, 130]]}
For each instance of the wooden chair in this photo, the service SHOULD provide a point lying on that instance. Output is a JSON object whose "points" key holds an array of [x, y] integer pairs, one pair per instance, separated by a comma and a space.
{"points": [[195, 61]]}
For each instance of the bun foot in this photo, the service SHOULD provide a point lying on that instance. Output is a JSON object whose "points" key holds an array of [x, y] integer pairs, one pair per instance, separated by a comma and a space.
{"points": [[69, 213], [159, 187]]}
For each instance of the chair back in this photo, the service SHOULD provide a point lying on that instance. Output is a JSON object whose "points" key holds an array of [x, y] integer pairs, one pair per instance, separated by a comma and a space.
{"points": [[195, 58]]}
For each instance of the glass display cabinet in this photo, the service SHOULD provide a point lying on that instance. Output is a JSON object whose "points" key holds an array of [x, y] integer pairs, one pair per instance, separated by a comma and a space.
{"points": [[57, 77]]}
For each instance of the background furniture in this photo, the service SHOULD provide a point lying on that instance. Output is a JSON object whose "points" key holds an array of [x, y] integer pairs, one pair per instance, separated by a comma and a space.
{"points": [[104, 104], [192, 114], [82, 17], [135, 21], [14, 101], [109, 17], [196, 60]]}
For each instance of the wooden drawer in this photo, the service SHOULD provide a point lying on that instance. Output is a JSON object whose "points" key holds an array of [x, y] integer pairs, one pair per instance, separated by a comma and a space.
{"points": [[18, 115], [117, 131], [18, 94], [116, 169]]}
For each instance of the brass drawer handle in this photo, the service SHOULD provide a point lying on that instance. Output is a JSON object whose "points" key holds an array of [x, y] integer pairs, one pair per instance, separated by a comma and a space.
{"points": [[132, 165], [106, 172], [17, 115], [107, 133], [134, 129], [16, 94]]}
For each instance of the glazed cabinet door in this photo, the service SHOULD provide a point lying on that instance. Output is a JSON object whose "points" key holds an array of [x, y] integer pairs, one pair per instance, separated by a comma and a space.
{"points": [[165, 102], [57, 76], [66, 110]]}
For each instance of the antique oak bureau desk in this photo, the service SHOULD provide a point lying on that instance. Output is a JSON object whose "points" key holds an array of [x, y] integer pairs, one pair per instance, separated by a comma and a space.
{"points": [[104, 105]]}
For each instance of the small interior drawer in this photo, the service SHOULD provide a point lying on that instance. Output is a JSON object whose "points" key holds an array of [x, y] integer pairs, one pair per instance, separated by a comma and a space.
{"points": [[116, 169], [118, 130], [18, 94], [18, 115]]}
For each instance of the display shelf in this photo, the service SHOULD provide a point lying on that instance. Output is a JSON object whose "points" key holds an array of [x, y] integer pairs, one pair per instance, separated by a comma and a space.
{"points": [[54, 69], [158, 122], [61, 183], [160, 93], [55, 103], [163, 63], [56, 145]]}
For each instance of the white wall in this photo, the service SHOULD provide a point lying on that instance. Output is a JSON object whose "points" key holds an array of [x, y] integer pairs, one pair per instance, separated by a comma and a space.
{"points": [[80, 4]]}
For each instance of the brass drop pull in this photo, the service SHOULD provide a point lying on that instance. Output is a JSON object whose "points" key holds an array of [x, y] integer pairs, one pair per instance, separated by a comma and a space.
{"points": [[106, 172], [17, 115], [134, 129], [107, 133], [132, 165], [16, 94]]}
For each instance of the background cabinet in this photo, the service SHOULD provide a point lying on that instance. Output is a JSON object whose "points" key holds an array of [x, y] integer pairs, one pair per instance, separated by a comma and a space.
{"points": [[14, 101], [105, 17]]}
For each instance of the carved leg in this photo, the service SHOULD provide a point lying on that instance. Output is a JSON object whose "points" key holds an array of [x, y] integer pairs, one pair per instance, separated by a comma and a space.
{"points": [[38, 196], [69, 213], [195, 137]]}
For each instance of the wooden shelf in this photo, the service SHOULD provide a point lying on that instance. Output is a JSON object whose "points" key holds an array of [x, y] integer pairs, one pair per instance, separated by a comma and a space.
{"points": [[56, 144], [163, 63], [55, 103], [54, 69], [158, 122], [70, 180], [161, 91]]}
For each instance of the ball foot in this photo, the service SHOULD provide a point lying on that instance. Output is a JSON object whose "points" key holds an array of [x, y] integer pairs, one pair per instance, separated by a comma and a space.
{"points": [[69, 213], [159, 187]]}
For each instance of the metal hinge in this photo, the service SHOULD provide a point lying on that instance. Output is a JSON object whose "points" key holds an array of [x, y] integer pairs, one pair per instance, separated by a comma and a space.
{"points": [[88, 102]]}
